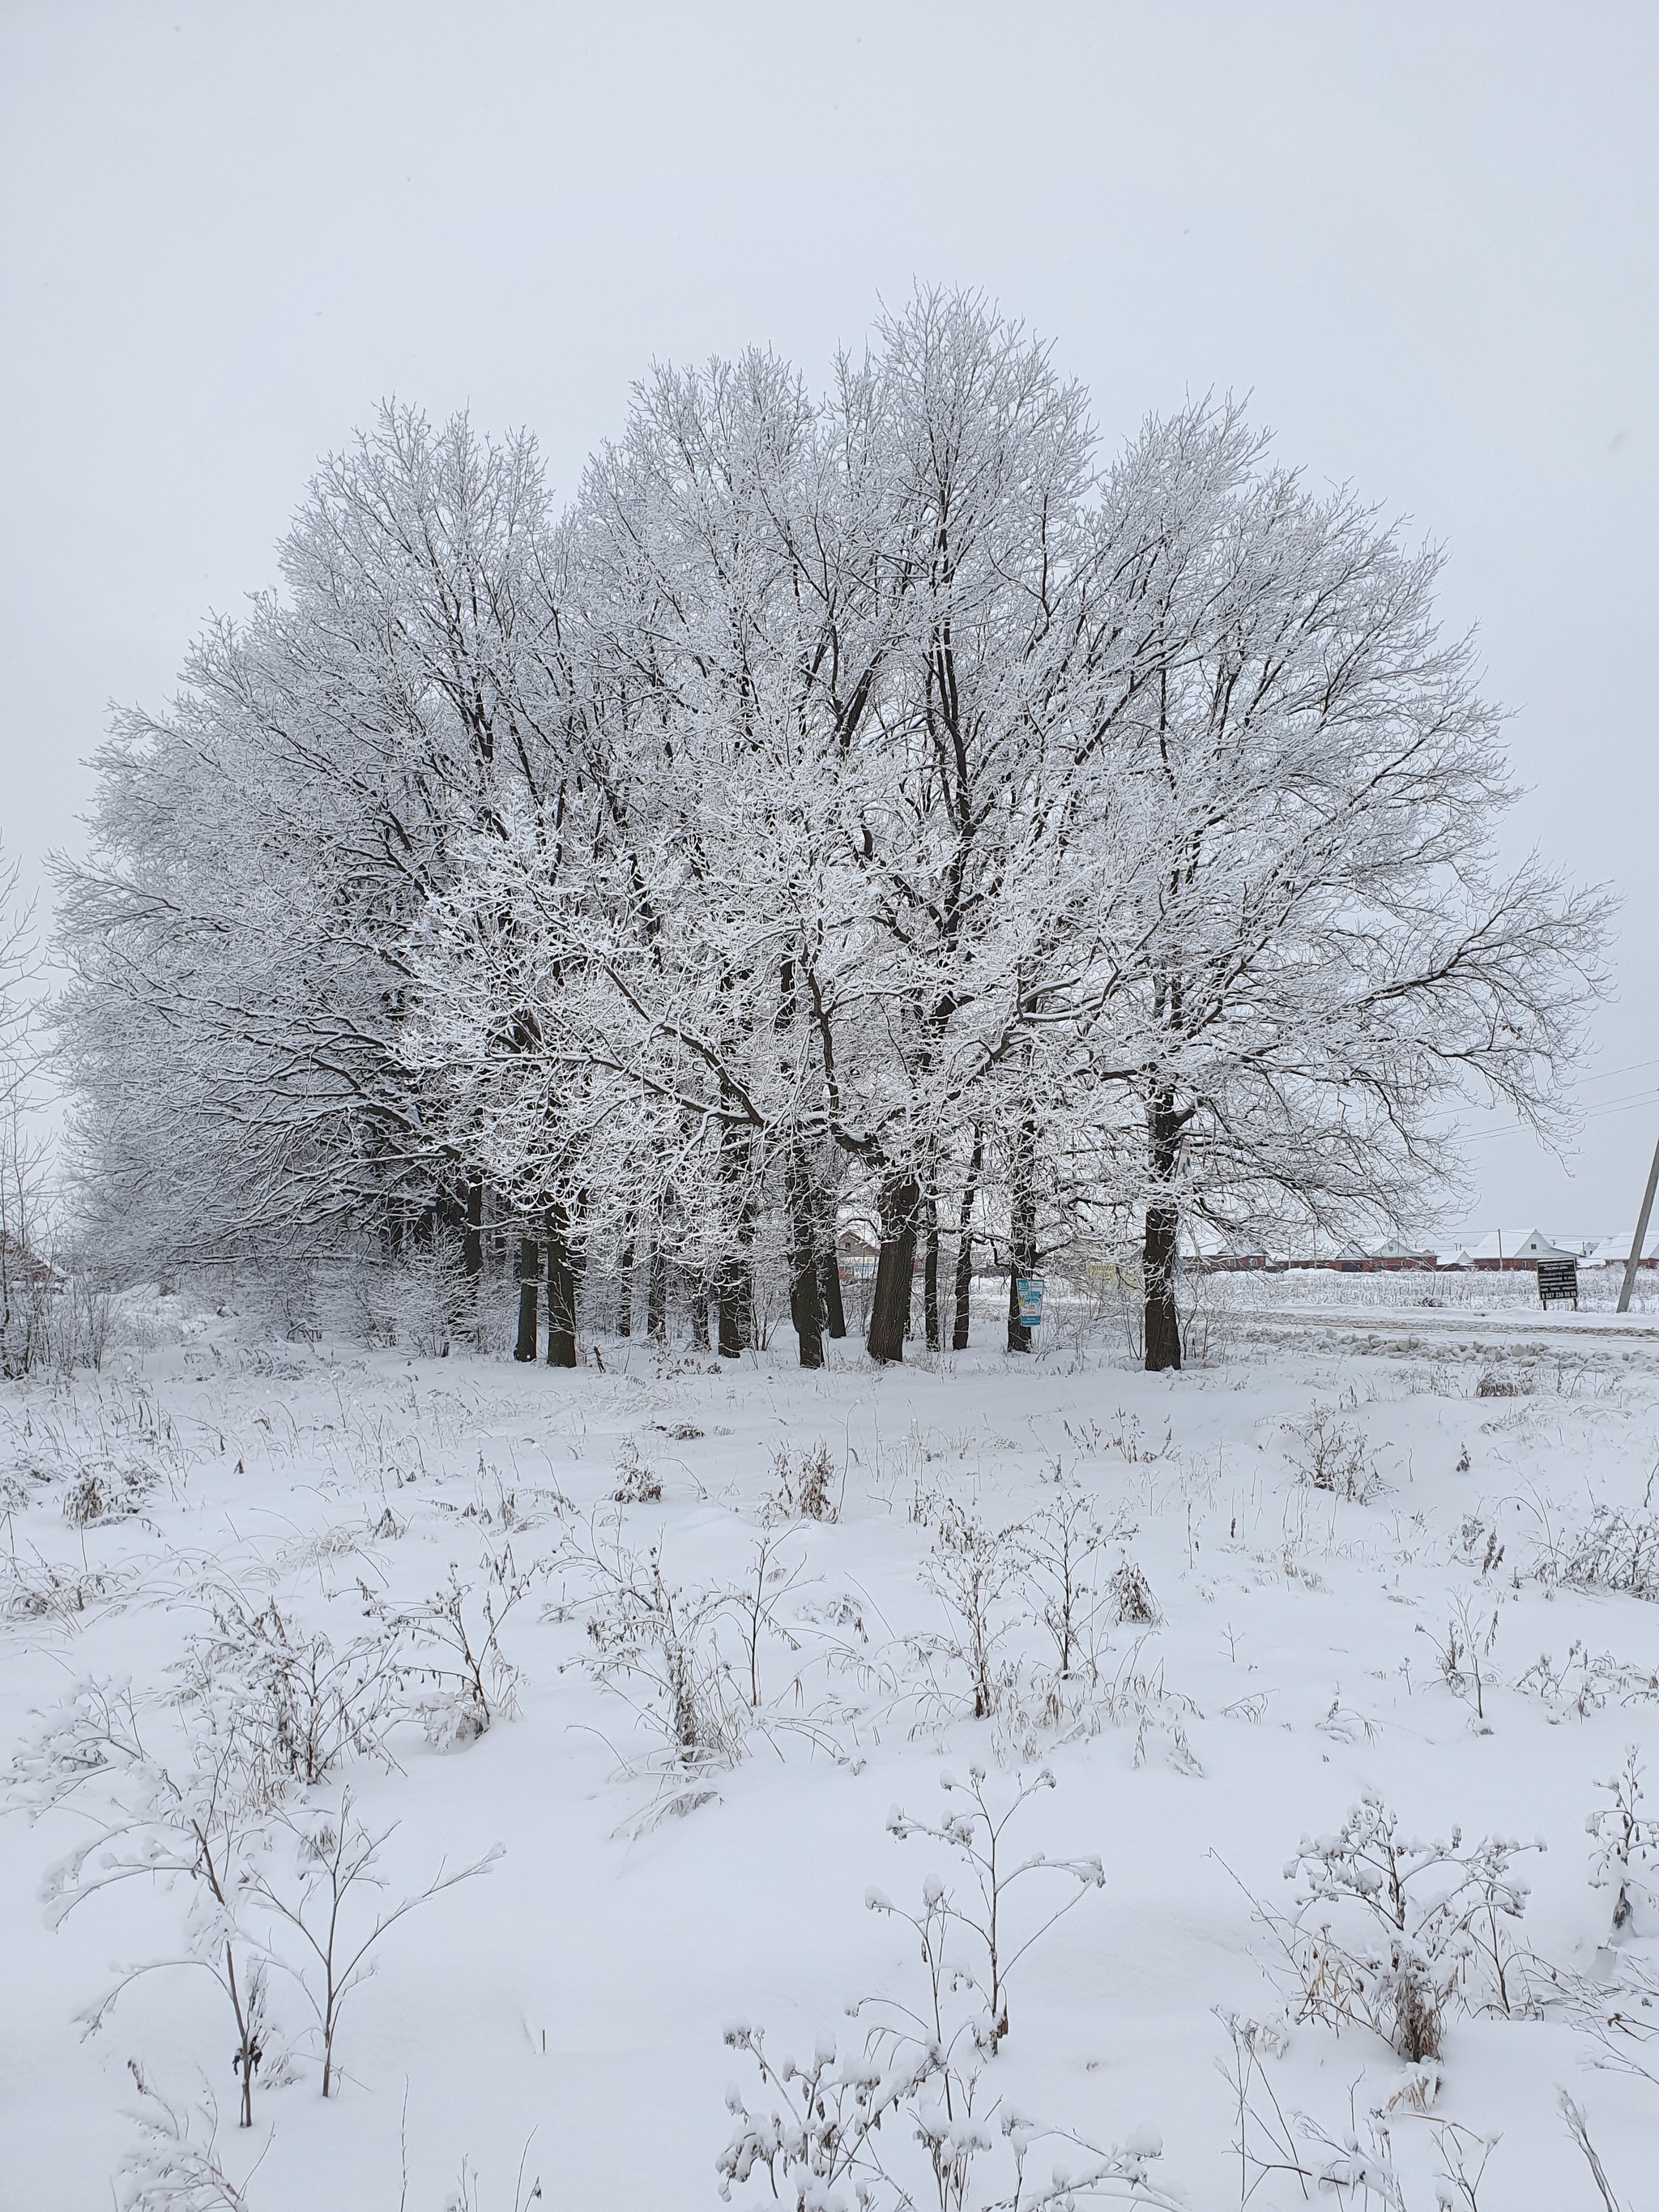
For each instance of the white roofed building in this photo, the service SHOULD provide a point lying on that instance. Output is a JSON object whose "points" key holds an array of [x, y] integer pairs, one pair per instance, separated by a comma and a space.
{"points": [[1503, 1248], [1615, 1251]]}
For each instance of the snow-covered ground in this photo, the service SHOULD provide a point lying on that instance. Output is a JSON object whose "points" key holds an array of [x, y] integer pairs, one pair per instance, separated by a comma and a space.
{"points": [[701, 1707]]}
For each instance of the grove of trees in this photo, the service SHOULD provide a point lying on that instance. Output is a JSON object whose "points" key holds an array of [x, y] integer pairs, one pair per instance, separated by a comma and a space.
{"points": [[875, 804]]}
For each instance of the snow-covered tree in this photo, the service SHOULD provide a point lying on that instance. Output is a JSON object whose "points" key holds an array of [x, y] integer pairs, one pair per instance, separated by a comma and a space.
{"points": [[857, 800], [1321, 950], [23, 1179], [261, 855]]}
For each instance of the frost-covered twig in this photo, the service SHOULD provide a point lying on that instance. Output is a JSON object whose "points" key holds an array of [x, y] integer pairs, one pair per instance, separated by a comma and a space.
{"points": [[335, 1861]]}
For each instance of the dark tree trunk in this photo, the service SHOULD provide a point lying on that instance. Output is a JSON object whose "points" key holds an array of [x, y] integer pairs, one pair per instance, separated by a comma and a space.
{"points": [[1160, 1247], [625, 1291], [828, 1217], [805, 1309], [965, 1246], [746, 1290], [699, 1313], [530, 1268], [730, 1303], [733, 1282], [472, 1234], [1022, 1229], [561, 1292], [889, 1307], [578, 1264], [656, 1293], [930, 1270]]}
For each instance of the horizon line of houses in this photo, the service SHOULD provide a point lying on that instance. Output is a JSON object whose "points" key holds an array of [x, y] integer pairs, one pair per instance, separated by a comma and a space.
{"points": [[1497, 1252], [1500, 1250]]}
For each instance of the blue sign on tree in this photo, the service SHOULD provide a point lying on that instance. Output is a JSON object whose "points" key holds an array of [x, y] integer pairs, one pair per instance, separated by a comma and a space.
{"points": [[1029, 1289]]}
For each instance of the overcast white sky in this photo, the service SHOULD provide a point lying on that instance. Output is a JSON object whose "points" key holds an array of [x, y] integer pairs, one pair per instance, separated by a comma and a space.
{"points": [[1422, 235]]}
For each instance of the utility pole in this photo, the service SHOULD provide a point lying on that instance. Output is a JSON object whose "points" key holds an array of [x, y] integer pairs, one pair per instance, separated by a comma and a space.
{"points": [[1640, 1237]]}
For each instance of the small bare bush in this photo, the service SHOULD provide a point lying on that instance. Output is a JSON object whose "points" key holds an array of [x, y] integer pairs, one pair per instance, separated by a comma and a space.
{"points": [[1462, 1652], [818, 2133], [105, 1490], [308, 1705], [1587, 1682], [325, 1903], [1132, 1595], [657, 1646], [637, 1481], [805, 1485], [1618, 1551], [1496, 1383], [973, 1571], [1391, 1931], [1336, 1459], [455, 1636]]}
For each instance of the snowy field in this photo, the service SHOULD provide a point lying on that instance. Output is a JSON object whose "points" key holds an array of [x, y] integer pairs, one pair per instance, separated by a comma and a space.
{"points": [[658, 1649]]}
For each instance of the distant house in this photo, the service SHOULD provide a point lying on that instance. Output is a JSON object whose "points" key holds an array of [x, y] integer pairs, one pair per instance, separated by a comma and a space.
{"points": [[856, 1256], [1506, 1252], [1615, 1251], [19, 1265], [1389, 1257], [1231, 1258]]}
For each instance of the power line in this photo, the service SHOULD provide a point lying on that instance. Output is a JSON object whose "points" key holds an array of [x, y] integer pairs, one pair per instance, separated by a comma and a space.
{"points": [[1608, 1073], [1591, 1114]]}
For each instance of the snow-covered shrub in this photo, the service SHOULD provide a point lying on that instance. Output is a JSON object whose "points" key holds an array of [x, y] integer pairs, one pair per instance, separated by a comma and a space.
{"points": [[1617, 2006], [1132, 1595], [914, 2114], [424, 1302], [1476, 1545], [1618, 1551], [455, 1636], [193, 1816], [969, 1941], [637, 1481], [1062, 1547], [308, 1705], [105, 1490], [325, 1901], [1496, 1383], [1136, 1695], [973, 1570], [1391, 1931], [176, 2165], [753, 1607], [287, 1290], [1584, 1682], [806, 1484], [1036, 1703], [657, 1646], [52, 1321], [1336, 1459], [1354, 2170], [34, 1588], [1626, 1836], [1470, 1639]]}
